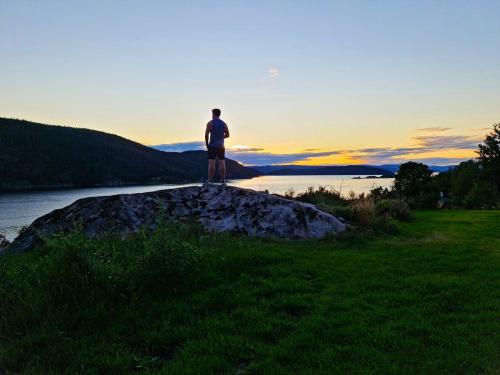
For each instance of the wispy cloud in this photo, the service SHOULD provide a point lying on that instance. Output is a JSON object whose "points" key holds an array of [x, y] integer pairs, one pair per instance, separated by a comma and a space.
{"points": [[432, 161], [181, 146], [422, 145], [438, 142], [245, 149], [434, 129], [266, 158], [246, 154], [273, 72]]}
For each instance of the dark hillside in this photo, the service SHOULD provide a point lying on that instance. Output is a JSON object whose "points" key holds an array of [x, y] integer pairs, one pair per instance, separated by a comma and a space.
{"points": [[34, 155]]}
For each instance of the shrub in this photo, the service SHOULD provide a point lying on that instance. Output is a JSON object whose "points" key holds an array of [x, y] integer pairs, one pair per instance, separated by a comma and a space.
{"points": [[372, 212], [379, 192], [363, 211], [322, 194], [483, 195], [394, 208], [290, 193], [325, 198]]}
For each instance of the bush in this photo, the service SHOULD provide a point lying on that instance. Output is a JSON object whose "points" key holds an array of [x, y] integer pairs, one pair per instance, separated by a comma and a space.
{"points": [[394, 208], [379, 193], [373, 212], [364, 212], [321, 195], [483, 195], [325, 198]]}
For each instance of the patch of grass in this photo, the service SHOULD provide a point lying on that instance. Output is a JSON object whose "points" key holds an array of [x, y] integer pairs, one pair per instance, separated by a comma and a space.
{"points": [[423, 300]]}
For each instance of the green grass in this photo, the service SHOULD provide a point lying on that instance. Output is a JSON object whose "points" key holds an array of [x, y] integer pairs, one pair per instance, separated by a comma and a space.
{"points": [[425, 300]]}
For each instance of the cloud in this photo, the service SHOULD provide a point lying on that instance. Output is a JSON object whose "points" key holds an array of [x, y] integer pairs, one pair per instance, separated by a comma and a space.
{"points": [[436, 161], [434, 129], [181, 146], [433, 142], [423, 144], [273, 72], [247, 155], [267, 158], [245, 149]]}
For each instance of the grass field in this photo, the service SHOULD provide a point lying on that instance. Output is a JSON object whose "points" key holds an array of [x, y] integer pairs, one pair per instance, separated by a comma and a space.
{"points": [[425, 300]]}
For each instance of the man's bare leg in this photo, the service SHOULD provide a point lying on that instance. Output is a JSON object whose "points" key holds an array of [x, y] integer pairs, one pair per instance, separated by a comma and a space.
{"points": [[211, 169], [222, 170]]}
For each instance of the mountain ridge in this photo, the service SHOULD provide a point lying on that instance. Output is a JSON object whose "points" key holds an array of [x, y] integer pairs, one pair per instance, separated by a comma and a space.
{"points": [[290, 170], [356, 169], [40, 156]]}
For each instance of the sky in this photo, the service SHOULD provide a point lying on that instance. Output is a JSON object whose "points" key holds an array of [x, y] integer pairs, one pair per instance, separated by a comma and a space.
{"points": [[302, 82]]}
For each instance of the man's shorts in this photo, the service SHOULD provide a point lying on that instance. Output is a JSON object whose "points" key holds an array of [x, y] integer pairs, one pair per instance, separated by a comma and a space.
{"points": [[218, 152]]}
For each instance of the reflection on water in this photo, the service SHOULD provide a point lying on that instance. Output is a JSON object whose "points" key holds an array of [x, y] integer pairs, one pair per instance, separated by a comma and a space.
{"points": [[20, 209], [344, 184]]}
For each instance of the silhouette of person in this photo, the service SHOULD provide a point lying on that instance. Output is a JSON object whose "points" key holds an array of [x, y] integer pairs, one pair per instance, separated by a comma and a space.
{"points": [[215, 134]]}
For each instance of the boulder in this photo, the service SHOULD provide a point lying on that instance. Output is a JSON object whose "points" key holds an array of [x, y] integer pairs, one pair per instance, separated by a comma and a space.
{"points": [[216, 208]]}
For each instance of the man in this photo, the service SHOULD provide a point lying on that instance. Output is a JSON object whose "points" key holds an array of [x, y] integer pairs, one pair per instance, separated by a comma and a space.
{"points": [[218, 131]]}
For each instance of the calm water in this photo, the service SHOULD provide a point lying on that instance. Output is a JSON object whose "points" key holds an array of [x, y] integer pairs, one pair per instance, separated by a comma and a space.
{"points": [[20, 209]]}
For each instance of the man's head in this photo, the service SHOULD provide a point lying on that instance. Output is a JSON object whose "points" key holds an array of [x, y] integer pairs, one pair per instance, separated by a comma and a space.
{"points": [[215, 113]]}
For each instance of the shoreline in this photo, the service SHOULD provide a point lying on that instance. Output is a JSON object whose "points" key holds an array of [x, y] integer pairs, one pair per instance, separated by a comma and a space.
{"points": [[48, 188]]}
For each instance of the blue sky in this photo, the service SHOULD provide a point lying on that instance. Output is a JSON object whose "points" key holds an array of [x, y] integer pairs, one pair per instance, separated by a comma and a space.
{"points": [[317, 82]]}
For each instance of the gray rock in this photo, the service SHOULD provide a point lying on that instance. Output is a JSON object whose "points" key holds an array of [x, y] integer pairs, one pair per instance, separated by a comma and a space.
{"points": [[215, 208], [443, 203]]}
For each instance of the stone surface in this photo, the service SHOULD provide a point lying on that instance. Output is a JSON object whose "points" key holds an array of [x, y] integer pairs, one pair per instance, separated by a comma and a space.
{"points": [[216, 208], [443, 203]]}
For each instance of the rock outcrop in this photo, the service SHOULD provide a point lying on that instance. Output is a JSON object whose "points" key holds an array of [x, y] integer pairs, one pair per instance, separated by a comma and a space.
{"points": [[216, 208]]}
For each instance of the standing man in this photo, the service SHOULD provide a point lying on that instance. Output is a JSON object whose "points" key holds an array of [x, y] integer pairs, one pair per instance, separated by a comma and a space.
{"points": [[218, 131]]}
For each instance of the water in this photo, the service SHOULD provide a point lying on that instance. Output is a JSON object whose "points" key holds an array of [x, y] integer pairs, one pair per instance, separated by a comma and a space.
{"points": [[20, 209]]}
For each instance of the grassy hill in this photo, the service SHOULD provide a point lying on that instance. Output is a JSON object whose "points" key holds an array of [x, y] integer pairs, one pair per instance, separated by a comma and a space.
{"points": [[423, 301], [35, 155]]}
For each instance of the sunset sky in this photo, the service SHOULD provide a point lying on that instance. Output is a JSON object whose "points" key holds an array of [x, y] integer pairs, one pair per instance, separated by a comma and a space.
{"points": [[308, 82]]}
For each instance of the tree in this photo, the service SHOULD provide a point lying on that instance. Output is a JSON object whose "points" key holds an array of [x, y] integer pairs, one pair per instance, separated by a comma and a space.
{"points": [[414, 183], [463, 179], [489, 155]]}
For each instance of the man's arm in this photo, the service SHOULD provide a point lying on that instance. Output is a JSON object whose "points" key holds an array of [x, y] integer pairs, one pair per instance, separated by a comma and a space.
{"points": [[207, 132], [226, 131]]}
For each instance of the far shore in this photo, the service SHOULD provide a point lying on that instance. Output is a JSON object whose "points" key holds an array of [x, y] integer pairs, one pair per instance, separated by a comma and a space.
{"points": [[41, 188]]}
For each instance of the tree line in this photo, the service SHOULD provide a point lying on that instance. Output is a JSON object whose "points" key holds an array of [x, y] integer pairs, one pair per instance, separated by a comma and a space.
{"points": [[472, 184]]}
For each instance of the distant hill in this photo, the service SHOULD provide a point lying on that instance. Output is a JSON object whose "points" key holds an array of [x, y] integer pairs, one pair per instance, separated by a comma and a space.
{"points": [[386, 169], [435, 168], [36, 156], [285, 170]]}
